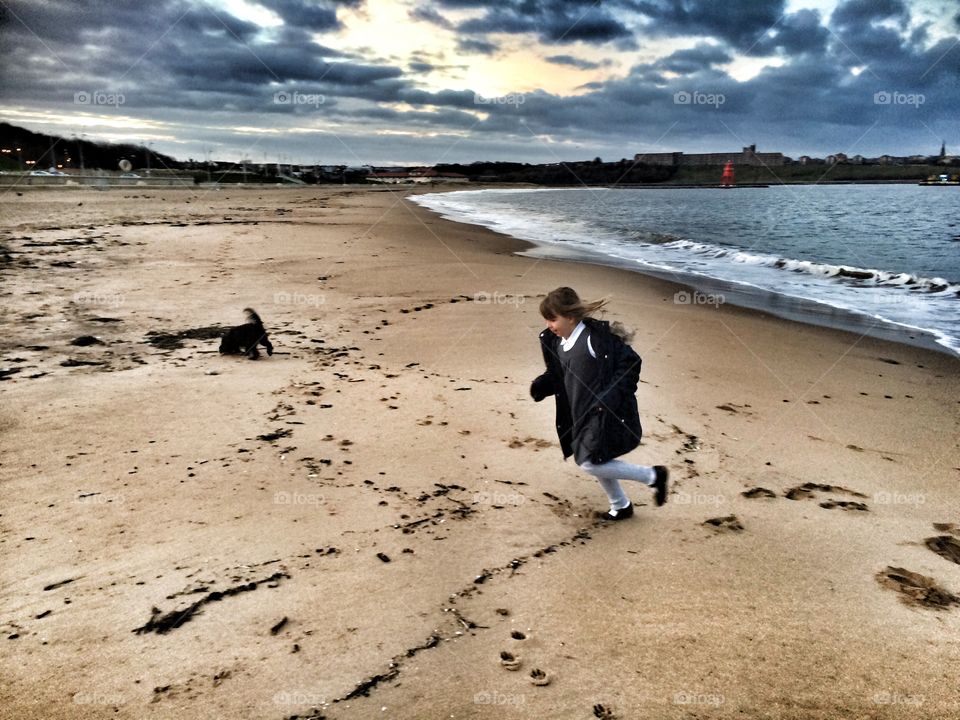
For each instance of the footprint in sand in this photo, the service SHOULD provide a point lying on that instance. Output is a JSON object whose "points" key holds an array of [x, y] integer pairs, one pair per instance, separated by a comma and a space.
{"points": [[535, 443], [602, 712], [539, 677], [945, 546], [758, 492], [917, 589], [810, 489], [845, 505], [728, 523], [509, 660]]}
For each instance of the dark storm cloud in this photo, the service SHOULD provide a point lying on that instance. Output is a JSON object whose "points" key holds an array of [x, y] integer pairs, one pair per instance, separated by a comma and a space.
{"points": [[739, 22], [577, 62], [178, 48], [701, 57], [304, 14], [794, 34], [186, 62], [472, 45], [431, 15], [856, 13], [556, 22]]}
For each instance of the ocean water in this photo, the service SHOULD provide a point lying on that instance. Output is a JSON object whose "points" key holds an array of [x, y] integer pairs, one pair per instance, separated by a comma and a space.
{"points": [[877, 259]]}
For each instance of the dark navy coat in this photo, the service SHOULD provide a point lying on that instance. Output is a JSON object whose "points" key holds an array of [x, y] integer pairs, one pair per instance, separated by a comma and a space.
{"points": [[616, 405]]}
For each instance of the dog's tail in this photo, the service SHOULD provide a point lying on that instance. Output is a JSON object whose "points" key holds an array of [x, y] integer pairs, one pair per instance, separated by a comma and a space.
{"points": [[252, 317]]}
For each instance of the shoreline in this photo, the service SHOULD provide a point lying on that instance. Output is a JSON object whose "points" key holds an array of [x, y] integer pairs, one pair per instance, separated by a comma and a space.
{"points": [[372, 514], [715, 291]]}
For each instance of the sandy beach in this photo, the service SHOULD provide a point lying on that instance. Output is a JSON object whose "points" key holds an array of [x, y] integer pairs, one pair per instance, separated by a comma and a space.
{"points": [[360, 524]]}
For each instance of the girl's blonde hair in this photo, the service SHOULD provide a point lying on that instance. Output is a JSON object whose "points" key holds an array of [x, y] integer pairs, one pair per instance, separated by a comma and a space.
{"points": [[565, 302]]}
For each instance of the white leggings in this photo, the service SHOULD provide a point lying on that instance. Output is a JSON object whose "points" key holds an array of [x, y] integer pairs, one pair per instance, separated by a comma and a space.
{"points": [[611, 472]]}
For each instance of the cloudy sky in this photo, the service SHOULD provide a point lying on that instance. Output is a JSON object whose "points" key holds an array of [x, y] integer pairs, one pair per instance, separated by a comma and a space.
{"points": [[427, 81]]}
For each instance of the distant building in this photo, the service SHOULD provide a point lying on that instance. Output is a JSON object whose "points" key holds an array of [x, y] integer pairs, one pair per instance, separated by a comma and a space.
{"points": [[747, 156], [837, 159], [416, 175]]}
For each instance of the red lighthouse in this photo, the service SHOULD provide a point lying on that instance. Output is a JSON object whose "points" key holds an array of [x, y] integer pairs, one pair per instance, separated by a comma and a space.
{"points": [[726, 180]]}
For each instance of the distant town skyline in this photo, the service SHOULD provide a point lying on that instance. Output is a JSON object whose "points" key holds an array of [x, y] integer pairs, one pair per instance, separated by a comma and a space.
{"points": [[422, 82]]}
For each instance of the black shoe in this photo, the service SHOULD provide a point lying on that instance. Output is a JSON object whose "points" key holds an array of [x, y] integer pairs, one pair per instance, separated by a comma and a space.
{"points": [[621, 514], [660, 484]]}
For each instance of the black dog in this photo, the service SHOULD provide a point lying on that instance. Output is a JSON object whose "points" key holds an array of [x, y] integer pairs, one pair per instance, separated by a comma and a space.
{"points": [[245, 338]]}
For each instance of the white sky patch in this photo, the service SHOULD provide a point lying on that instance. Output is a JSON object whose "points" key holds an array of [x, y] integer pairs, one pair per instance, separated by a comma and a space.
{"points": [[743, 69], [251, 12], [824, 6], [84, 122]]}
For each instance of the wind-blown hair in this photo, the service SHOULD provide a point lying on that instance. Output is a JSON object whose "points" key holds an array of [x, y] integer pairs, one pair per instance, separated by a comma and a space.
{"points": [[564, 302]]}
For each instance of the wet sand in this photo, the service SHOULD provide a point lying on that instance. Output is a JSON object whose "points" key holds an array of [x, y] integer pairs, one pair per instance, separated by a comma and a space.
{"points": [[359, 525]]}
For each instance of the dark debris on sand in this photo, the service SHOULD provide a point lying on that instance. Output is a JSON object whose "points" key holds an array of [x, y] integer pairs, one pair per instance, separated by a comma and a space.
{"points": [[163, 623]]}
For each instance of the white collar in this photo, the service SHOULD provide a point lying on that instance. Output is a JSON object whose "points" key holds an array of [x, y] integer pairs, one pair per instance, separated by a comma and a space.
{"points": [[569, 342]]}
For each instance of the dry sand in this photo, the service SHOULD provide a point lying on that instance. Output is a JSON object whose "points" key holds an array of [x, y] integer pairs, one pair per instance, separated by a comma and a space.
{"points": [[241, 514]]}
